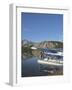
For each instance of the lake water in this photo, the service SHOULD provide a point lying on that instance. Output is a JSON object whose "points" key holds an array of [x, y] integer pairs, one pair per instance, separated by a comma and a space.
{"points": [[30, 67]]}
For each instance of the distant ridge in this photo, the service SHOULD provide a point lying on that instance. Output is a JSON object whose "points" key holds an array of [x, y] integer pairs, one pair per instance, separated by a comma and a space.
{"points": [[43, 44]]}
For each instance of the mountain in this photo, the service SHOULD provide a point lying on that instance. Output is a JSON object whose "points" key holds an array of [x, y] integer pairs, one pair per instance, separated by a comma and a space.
{"points": [[28, 52], [51, 44], [27, 43], [43, 44]]}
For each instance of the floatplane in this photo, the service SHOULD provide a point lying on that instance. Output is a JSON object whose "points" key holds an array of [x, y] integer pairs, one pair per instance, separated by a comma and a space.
{"points": [[52, 59]]}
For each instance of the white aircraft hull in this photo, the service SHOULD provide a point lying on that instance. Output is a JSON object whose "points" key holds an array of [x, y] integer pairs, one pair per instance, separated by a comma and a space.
{"points": [[51, 62]]}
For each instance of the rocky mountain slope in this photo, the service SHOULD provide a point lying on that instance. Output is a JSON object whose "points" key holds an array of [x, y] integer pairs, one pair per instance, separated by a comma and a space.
{"points": [[43, 44]]}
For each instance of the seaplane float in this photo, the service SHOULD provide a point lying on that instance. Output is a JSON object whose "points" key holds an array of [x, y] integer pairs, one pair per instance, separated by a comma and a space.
{"points": [[52, 59]]}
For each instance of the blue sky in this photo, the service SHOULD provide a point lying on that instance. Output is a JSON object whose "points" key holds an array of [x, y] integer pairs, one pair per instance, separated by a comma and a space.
{"points": [[39, 27]]}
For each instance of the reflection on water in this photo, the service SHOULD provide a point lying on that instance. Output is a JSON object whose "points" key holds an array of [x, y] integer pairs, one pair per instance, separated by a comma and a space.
{"points": [[30, 67]]}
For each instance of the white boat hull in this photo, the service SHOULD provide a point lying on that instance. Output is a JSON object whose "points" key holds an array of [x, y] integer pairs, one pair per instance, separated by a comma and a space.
{"points": [[51, 62]]}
